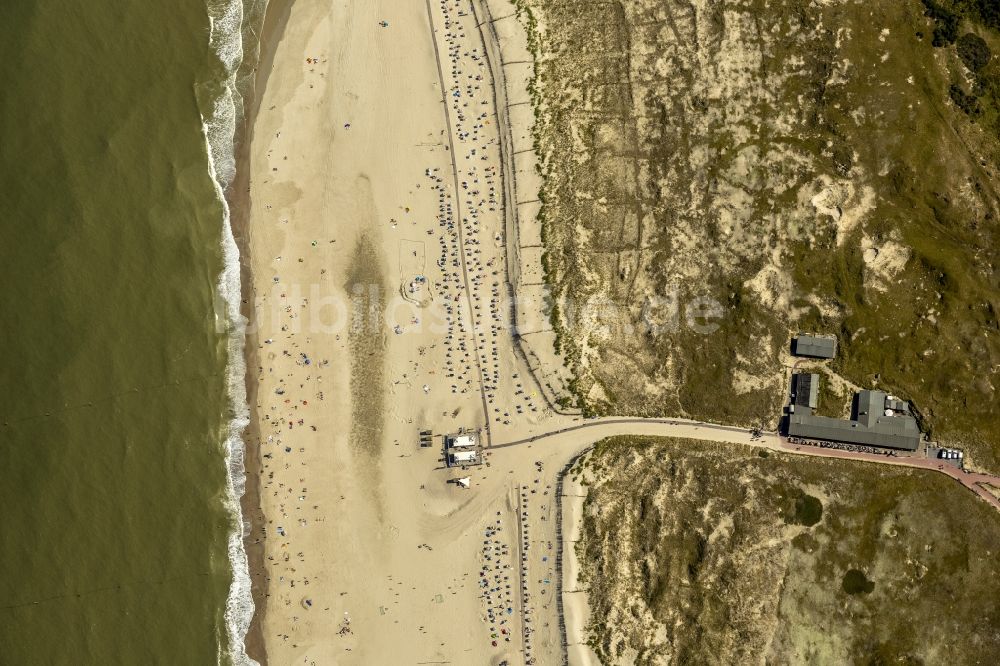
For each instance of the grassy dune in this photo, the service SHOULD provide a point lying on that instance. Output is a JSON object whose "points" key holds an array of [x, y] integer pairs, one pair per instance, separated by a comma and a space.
{"points": [[825, 166], [701, 553]]}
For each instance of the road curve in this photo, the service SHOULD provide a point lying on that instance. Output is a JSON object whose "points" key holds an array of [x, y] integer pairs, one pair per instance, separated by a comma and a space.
{"points": [[600, 428]]}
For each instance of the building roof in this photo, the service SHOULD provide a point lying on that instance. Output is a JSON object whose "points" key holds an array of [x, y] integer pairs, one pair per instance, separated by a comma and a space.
{"points": [[463, 456], [868, 406], [868, 426], [805, 389], [462, 441], [815, 346], [897, 405]]}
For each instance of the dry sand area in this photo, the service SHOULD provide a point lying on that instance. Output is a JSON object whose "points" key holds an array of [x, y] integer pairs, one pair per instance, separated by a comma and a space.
{"points": [[378, 243], [576, 607]]}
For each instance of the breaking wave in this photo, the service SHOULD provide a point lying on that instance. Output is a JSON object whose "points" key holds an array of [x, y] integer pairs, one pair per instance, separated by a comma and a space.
{"points": [[223, 99]]}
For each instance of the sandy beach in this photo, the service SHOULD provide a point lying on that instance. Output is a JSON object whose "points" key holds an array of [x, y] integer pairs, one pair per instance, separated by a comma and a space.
{"points": [[378, 252]]}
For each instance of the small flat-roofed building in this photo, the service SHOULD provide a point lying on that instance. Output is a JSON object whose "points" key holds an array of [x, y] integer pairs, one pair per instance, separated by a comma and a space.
{"points": [[466, 441], [462, 457], [805, 390], [897, 405], [814, 346], [871, 424]]}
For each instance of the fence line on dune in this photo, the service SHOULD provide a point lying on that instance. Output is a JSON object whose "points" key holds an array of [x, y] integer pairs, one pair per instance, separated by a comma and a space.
{"points": [[560, 608], [508, 177]]}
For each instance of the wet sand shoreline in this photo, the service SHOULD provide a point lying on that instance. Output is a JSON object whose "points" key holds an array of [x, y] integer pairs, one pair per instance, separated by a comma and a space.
{"points": [[238, 197]]}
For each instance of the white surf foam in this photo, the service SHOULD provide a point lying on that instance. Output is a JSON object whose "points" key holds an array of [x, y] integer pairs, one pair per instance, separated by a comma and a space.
{"points": [[239, 604], [226, 40]]}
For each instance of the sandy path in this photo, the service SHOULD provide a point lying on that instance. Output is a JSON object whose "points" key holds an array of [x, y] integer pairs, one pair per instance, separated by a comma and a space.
{"points": [[576, 608]]}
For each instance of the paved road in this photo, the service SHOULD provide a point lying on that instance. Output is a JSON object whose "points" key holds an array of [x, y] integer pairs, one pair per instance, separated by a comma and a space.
{"points": [[569, 436]]}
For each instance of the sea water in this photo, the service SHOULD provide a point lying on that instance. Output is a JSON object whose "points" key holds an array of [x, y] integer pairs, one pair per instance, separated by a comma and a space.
{"points": [[121, 374]]}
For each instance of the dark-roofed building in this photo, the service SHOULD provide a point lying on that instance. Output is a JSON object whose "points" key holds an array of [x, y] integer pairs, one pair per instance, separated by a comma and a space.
{"points": [[897, 405], [814, 346], [805, 390], [871, 424]]}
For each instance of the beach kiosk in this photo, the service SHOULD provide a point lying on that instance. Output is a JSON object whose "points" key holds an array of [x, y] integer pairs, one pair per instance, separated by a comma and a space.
{"points": [[462, 457], [462, 448], [462, 441]]}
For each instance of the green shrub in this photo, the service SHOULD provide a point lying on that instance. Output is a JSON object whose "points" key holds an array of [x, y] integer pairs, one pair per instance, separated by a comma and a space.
{"points": [[945, 23], [973, 51], [855, 582], [968, 103], [989, 13]]}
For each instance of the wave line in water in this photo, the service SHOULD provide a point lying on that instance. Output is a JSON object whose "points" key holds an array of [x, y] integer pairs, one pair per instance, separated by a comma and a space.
{"points": [[226, 41]]}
